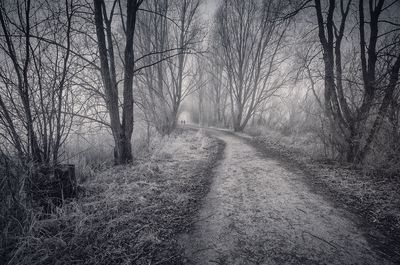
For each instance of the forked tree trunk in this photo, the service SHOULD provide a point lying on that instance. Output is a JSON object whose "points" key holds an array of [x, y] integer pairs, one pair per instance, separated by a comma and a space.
{"points": [[121, 130]]}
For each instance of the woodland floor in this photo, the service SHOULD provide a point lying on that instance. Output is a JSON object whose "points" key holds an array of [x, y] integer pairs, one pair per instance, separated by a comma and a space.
{"points": [[129, 214], [212, 197], [261, 211]]}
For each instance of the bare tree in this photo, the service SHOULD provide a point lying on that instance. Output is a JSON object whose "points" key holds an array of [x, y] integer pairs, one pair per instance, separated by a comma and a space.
{"points": [[170, 34], [216, 83], [35, 73], [251, 36], [153, 28], [379, 62], [121, 127]]}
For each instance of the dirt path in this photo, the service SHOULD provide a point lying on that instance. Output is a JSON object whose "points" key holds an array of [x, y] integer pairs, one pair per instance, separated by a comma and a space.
{"points": [[258, 212]]}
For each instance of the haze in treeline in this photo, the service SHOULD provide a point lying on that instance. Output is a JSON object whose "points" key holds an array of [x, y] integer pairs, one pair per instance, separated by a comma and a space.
{"points": [[97, 82], [328, 68]]}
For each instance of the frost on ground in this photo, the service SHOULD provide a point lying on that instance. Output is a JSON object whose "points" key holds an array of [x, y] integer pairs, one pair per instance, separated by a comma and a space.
{"points": [[373, 196], [258, 212], [130, 214]]}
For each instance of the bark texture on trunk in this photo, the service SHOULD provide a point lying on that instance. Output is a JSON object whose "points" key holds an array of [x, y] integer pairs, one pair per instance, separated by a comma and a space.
{"points": [[122, 129]]}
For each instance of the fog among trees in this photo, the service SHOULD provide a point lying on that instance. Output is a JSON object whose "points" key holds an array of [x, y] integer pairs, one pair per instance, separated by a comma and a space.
{"points": [[90, 85]]}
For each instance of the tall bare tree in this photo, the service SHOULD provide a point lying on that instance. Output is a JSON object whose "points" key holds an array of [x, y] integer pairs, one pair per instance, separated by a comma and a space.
{"points": [[251, 36], [170, 34], [121, 127], [216, 92]]}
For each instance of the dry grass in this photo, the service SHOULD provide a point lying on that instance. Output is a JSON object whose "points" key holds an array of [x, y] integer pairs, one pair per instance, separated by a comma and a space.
{"points": [[307, 143], [374, 197], [90, 154], [129, 214]]}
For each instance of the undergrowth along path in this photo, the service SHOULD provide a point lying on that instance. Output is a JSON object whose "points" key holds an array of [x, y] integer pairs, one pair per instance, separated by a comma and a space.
{"points": [[129, 214], [259, 212]]}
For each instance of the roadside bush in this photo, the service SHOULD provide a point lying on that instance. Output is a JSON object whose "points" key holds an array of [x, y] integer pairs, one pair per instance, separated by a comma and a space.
{"points": [[317, 141], [306, 142]]}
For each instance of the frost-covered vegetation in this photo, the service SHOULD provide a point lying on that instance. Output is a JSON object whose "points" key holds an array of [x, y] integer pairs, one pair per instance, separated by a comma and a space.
{"points": [[369, 191], [92, 94], [125, 214]]}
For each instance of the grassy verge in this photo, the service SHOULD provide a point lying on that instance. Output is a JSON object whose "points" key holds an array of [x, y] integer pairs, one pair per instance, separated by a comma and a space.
{"points": [[129, 214], [376, 199]]}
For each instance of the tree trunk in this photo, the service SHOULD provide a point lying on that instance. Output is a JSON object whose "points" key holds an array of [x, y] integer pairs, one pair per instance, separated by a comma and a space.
{"points": [[394, 77], [123, 150], [122, 131]]}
